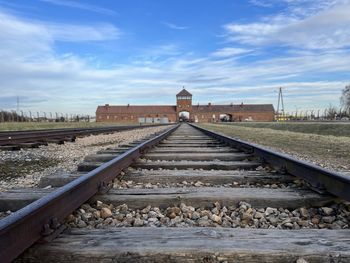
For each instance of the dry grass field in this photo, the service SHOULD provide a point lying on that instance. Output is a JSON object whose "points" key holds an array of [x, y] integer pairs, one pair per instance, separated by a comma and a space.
{"points": [[329, 151], [16, 126], [321, 128]]}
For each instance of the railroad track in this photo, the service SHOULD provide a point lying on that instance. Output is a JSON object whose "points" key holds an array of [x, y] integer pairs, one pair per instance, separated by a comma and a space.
{"points": [[191, 195], [15, 140]]}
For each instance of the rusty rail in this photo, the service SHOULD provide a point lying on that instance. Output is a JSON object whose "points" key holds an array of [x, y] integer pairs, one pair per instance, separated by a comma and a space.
{"points": [[42, 219], [17, 137], [320, 179]]}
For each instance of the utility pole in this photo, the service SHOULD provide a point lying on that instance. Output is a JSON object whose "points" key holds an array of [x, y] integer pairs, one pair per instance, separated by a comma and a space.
{"points": [[280, 103]]}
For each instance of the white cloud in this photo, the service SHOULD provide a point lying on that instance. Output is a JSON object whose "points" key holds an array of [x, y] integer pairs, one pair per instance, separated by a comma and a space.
{"points": [[261, 3], [21, 39], [174, 26], [83, 6], [68, 83], [78, 33], [26, 38], [230, 52], [322, 29]]}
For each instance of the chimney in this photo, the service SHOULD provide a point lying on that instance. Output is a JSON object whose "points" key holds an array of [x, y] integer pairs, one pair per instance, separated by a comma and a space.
{"points": [[209, 104], [128, 105]]}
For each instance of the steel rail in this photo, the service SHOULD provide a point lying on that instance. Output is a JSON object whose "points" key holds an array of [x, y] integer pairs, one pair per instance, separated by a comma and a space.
{"points": [[322, 180], [44, 217], [16, 137]]}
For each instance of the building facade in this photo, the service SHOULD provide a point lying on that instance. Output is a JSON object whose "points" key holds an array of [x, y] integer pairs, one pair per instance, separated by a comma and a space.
{"points": [[184, 110]]}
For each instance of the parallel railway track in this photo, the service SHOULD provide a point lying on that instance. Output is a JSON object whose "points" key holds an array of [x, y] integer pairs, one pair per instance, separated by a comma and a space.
{"points": [[209, 198], [14, 140]]}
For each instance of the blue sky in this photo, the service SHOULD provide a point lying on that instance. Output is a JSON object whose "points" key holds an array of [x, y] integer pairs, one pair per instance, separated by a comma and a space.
{"points": [[70, 56]]}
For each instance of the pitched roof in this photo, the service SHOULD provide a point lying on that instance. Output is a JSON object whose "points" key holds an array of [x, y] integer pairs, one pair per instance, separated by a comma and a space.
{"points": [[168, 109], [184, 92], [233, 108], [158, 109]]}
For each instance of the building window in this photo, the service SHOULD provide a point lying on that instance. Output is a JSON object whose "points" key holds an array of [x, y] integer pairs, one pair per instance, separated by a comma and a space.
{"points": [[107, 117], [184, 98]]}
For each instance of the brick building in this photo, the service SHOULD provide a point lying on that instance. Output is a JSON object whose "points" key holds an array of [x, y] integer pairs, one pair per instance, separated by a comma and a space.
{"points": [[184, 110]]}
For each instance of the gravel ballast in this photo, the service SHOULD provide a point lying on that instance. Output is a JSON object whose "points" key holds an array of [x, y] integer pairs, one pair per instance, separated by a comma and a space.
{"points": [[243, 215]]}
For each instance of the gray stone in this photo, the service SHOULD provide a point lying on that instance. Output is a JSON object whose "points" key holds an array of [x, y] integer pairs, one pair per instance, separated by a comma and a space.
{"points": [[81, 224], [303, 212], [195, 215], [328, 219], [270, 211], [273, 220], [146, 210], [86, 217], [109, 221], [152, 214], [203, 223], [152, 220], [122, 208], [283, 215], [215, 211], [258, 215], [327, 210], [119, 217], [289, 225], [301, 260]]}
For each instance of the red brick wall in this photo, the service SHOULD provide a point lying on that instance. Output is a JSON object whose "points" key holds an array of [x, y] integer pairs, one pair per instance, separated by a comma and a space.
{"points": [[134, 118], [236, 116], [183, 105], [186, 105]]}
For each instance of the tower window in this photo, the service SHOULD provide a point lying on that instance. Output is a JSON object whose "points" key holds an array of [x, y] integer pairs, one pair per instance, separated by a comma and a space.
{"points": [[184, 97]]}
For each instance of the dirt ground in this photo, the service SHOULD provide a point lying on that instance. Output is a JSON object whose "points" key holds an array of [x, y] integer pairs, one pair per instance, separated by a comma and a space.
{"points": [[331, 152]]}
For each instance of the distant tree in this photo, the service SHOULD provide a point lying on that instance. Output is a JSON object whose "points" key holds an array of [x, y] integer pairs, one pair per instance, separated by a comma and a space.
{"points": [[6, 116], [345, 98], [331, 112]]}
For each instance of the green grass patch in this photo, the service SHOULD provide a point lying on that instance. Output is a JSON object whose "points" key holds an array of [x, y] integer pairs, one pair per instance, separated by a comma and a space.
{"points": [[335, 129]]}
